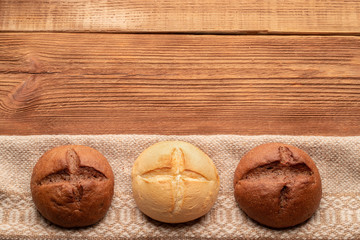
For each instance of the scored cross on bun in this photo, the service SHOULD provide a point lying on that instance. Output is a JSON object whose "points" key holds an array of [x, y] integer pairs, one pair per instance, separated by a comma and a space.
{"points": [[174, 182], [72, 186], [277, 185]]}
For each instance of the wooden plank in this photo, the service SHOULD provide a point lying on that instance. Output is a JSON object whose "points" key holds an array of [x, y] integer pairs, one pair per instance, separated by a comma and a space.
{"points": [[63, 83], [209, 16]]}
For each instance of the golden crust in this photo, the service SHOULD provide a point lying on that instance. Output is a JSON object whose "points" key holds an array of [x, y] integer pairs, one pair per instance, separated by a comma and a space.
{"points": [[174, 181]]}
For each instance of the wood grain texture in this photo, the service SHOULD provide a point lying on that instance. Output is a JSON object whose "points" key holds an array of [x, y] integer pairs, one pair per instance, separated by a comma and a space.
{"points": [[209, 16], [63, 83]]}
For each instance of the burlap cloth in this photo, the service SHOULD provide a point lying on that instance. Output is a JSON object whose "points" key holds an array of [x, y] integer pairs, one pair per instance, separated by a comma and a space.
{"points": [[336, 157]]}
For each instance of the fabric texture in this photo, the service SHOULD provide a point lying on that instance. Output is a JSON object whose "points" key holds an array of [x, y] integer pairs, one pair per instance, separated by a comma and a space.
{"points": [[337, 159]]}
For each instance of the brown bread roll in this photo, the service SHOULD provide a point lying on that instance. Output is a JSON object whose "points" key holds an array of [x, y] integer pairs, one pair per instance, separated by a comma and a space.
{"points": [[174, 182], [277, 185], [72, 186]]}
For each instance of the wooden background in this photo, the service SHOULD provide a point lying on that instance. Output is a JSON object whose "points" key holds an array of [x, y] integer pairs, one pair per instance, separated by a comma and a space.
{"points": [[180, 67]]}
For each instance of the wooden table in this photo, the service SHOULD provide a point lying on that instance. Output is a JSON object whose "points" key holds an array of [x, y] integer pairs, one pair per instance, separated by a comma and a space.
{"points": [[180, 67]]}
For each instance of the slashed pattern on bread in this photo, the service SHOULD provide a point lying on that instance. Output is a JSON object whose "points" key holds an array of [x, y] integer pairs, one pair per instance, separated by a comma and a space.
{"points": [[174, 181], [277, 185]]}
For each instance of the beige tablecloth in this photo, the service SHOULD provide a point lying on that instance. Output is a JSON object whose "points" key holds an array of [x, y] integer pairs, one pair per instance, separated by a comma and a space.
{"points": [[336, 157]]}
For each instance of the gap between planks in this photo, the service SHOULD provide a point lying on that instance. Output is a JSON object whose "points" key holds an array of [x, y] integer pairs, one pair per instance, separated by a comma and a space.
{"points": [[191, 16]]}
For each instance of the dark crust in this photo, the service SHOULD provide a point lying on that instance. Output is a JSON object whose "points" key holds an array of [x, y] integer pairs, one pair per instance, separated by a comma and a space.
{"points": [[276, 170], [60, 176], [284, 192], [83, 173], [75, 195]]}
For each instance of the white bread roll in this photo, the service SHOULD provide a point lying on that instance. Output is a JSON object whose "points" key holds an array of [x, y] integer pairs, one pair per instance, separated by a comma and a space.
{"points": [[174, 182]]}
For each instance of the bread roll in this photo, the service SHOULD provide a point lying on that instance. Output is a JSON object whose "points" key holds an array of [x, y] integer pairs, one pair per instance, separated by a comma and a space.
{"points": [[277, 185], [72, 186], [174, 182]]}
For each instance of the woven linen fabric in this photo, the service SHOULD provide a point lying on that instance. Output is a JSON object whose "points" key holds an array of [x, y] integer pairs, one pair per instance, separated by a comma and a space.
{"points": [[337, 158]]}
